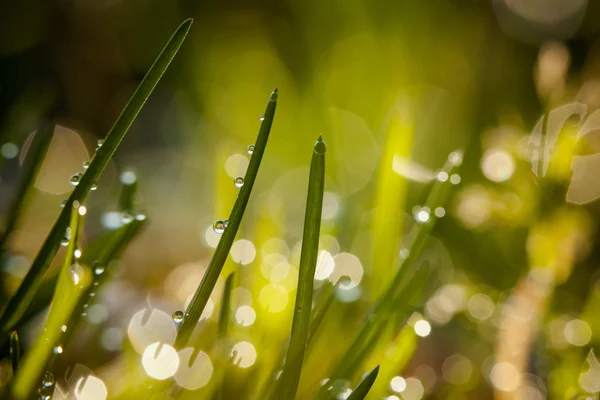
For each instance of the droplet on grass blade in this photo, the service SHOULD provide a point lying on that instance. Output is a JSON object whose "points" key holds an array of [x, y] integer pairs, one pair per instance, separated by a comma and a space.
{"points": [[262, 118], [320, 146], [48, 379], [57, 349], [99, 270], [86, 164], [250, 149], [238, 182], [219, 226], [126, 218], [99, 143], [76, 273], [75, 179], [178, 316], [94, 187]]}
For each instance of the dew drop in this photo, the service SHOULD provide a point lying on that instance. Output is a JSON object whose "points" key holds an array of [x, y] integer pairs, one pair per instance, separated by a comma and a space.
{"points": [[455, 158], [422, 215], [75, 179], [442, 176], [64, 242], [250, 149], [320, 147], [238, 182], [77, 253], [140, 216], [404, 253], [63, 203], [99, 143], [92, 294], [48, 379], [76, 273], [63, 328], [219, 226], [57, 349], [86, 164], [126, 217], [99, 270], [94, 187], [262, 117], [178, 316]]}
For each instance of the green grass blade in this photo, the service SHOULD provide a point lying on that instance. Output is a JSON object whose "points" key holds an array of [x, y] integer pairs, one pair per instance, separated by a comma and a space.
{"points": [[15, 351], [196, 306], [225, 309], [18, 304], [72, 282], [365, 385], [31, 167], [128, 194], [290, 377]]}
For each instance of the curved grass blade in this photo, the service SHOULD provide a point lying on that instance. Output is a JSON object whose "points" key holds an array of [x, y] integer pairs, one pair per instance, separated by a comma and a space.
{"points": [[18, 304], [365, 385], [15, 351], [290, 376], [31, 167], [196, 306], [72, 282]]}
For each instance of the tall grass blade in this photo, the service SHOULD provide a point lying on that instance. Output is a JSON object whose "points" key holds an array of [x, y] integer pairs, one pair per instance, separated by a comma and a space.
{"points": [[196, 306], [128, 193], [364, 386], [15, 351], [225, 309], [72, 282], [395, 294], [31, 167], [224, 316], [290, 377], [18, 304]]}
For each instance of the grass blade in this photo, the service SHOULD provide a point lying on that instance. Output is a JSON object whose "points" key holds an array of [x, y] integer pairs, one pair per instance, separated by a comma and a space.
{"points": [[224, 316], [31, 167], [395, 292], [18, 304], [196, 306], [225, 309], [72, 282], [15, 351], [128, 191], [290, 377], [364, 386]]}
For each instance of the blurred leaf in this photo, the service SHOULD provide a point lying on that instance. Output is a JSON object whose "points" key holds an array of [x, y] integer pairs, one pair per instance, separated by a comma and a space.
{"points": [[15, 351]]}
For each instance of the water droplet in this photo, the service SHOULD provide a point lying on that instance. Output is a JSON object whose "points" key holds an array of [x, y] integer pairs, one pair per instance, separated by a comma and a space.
{"points": [[140, 216], [86, 164], [219, 226], [63, 328], [126, 217], [250, 149], [92, 294], [226, 222], [178, 316], [99, 270], [94, 187], [76, 273], [95, 283], [99, 143], [63, 203], [320, 147], [238, 182], [77, 253], [75, 179], [57, 349], [48, 379], [262, 117], [65, 240]]}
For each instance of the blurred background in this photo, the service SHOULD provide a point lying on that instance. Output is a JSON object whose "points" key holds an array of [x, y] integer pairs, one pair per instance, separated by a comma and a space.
{"points": [[394, 87]]}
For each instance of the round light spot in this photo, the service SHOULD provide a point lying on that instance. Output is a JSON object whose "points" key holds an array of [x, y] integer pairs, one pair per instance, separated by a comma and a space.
{"points": [[325, 265], [498, 165], [97, 313], [160, 361], [422, 328], [331, 205], [275, 268], [9, 150], [111, 220], [349, 265], [211, 238], [144, 329], [578, 332], [457, 369], [273, 297], [245, 315], [194, 375], [128, 177], [505, 377], [243, 252], [414, 389], [90, 388], [275, 246], [480, 307], [398, 384], [112, 339], [243, 354], [236, 165]]}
